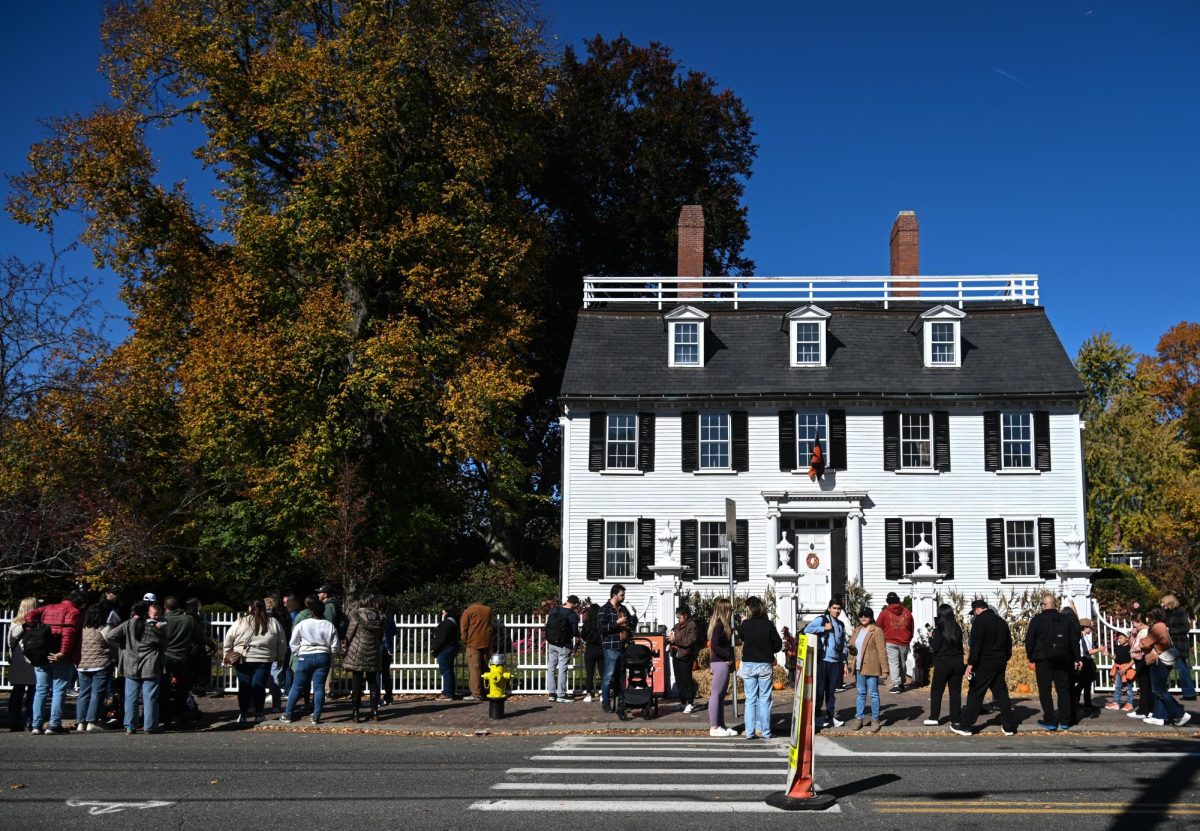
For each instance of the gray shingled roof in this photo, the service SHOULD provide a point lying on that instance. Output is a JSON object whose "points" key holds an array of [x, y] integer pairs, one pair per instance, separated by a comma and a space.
{"points": [[1008, 350]]}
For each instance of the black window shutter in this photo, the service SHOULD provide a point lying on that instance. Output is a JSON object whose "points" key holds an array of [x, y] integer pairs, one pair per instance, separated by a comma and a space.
{"points": [[941, 441], [645, 549], [787, 440], [1041, 439], [891, 440], [595, 549], [991, 440], [837, 440], [689, 431], [741, 552], [646, 442], [597, 433], [1046, 557], [689, 548], [837, 563], [995, 549], [893, 548], [739, 428], [945, 548]]}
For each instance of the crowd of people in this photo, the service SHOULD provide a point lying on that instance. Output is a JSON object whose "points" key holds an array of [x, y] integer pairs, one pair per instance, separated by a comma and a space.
{"points": [[137, 668]]}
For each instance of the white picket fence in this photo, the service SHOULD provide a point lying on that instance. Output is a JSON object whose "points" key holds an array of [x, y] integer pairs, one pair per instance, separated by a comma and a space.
{"points": [[414, 668], [1105, 632]]}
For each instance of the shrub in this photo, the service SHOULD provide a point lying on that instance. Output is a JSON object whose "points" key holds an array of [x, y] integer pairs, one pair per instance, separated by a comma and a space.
{"points": [[508, 588]]}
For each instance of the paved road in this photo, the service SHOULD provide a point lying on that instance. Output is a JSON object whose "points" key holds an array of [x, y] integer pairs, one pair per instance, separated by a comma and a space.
{"points": [[232, 778]]}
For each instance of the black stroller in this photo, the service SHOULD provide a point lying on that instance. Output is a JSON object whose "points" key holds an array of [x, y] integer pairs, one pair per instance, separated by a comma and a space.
{"points": [[638, 688]]}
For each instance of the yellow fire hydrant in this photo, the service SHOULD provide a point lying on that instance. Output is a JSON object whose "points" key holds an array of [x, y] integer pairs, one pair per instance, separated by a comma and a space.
{"points": [[497, 679]]}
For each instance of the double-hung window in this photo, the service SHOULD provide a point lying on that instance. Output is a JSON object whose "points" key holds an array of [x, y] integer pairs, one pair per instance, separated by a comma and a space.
{"points": [[943, 344], [714, 441], [714, 556], [620, 539], [914, 532], [916, 441], [1020, 548], [686, 344], [621, 442], [1016, 441], [808, 343], [811, 431]]}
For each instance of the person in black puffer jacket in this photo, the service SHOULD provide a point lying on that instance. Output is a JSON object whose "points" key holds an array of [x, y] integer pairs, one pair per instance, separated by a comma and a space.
{"points": [[990, 649]]}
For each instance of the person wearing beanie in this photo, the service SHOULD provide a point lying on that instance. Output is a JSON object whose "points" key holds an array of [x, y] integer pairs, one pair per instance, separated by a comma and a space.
{"points": [[897, 624], [990, 649]]}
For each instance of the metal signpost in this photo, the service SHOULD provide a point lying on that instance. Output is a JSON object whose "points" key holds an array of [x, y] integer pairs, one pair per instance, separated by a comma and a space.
{"points": [[730, 538]]}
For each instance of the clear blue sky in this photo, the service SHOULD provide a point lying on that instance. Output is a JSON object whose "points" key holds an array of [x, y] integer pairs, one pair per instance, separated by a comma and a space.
{"points": [[1057, 138]]}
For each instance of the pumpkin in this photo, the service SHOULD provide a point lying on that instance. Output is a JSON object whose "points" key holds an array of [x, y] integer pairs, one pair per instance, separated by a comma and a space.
{"points": [[778, 685], [1024, 688]]}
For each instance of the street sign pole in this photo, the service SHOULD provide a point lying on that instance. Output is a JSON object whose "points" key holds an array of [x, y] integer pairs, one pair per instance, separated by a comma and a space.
{"points": [[730, 537]]}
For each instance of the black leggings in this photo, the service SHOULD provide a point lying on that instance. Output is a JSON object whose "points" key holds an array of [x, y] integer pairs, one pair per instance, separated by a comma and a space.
{"points": [[356, 687], [683, 679], [947, 674], [593, 668]]}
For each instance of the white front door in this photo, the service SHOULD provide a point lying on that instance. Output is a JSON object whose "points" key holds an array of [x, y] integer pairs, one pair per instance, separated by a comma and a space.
{"points": [[810, 558]]}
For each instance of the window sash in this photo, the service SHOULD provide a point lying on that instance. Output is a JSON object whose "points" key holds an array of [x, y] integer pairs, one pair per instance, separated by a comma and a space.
{"points": [[811, 428], [620, 539], [1016, 441], [713, 557], [913, 528], [714, 441], [808, 343], [1020, 548], [916, 441], [621, 442], [687, 344], [941, 343]]}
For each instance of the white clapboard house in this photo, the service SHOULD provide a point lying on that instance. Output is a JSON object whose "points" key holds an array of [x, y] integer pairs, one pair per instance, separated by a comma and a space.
{"points": [[946, 410]]}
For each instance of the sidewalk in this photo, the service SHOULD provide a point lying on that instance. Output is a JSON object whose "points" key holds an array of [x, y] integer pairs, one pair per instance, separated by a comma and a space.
{"points": [[902, 714]]}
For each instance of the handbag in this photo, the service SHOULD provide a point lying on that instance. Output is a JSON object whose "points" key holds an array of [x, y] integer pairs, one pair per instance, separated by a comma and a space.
{"points": [[232, 657]]}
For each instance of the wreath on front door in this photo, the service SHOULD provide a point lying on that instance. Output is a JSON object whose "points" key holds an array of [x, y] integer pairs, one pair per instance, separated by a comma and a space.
{"points": [[812, 560]]}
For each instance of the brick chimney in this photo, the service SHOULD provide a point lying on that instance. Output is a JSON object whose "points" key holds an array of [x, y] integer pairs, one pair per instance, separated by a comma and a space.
{"points": [[905, 260], [690, 262]]}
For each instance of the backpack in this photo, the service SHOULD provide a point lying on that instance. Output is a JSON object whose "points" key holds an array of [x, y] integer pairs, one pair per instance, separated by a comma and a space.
{"points": [[35, 644], [558, 629], [1058, 642]]}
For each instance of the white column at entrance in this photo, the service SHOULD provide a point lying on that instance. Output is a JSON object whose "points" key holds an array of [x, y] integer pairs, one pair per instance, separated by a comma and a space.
{"points": [[924, 580], [854, 561], [772, 540]]}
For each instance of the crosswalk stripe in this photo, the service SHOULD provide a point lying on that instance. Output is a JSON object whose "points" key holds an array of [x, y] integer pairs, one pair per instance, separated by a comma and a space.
{"points": [[626, 787], [647, 771], [649, 806]]}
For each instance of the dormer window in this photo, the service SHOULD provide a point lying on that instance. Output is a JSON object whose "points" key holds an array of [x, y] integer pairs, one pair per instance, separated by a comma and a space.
{"points": [[943, 336], [685, 330], [807, 327]]}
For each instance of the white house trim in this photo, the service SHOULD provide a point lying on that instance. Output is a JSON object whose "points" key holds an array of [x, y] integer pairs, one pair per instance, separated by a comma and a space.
{"points": [[807, 314], [690, 316], [947, 315]]}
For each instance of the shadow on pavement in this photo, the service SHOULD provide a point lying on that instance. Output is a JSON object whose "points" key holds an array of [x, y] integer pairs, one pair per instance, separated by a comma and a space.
{"points": [[852, 788]]}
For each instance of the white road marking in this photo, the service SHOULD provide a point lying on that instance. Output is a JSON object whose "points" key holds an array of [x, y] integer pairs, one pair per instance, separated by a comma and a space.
{"points": [[745, 759], [96, 808], [650, 806], [1060, 754], [626, 787], [607, 771]]}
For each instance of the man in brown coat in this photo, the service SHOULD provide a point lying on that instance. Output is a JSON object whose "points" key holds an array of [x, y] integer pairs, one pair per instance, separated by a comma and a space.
{"points": [[476, 629]]}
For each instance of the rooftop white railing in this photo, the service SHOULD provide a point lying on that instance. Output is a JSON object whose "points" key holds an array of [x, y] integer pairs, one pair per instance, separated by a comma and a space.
{"points": [[735, 291]]}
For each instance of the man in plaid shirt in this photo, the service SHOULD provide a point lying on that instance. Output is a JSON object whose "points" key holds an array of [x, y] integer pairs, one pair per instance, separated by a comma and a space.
{"points": [[613, 620]]}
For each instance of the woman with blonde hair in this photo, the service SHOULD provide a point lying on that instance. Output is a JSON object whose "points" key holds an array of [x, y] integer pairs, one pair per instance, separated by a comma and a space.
{"points": [[720, 648], [20, 672]]}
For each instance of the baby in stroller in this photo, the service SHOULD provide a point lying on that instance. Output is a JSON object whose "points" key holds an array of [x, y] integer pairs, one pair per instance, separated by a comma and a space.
{"points": [[638, 689]]}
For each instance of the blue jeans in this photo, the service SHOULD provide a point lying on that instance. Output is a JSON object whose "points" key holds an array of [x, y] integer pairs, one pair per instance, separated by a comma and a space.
{"points": [[1122, 689], [1183, 668], [275, 683], [149, 690], [757, 679], [612, 667], [1165, 705], [866, 685], [93, 686], [252, 687], [445, 661], [310, 669], [58, 675]]}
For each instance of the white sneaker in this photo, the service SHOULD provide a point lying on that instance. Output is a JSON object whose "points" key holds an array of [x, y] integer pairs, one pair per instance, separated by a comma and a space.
{"points": [[1157, 722], [689, 708], [717, 732], [1134, 714], [931, 722], [730, 732], [587, 699], [562, 699], [837, 722], [92, 728], [1183, 719], [80, 727]]}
